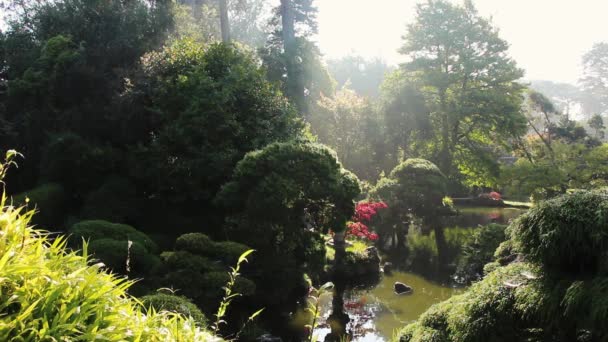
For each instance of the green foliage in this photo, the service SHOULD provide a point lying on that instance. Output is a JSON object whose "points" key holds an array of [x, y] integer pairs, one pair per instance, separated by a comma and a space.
{"points": [[50, 201], [416, 188], [350, 125], [557, 295], [479, 250], [445, 45], [362, 75], [177, 304], [52, 293], [435, 253], [98, 229], [207, 107], [279, 200], [183, 260], [196, 243], [124, 258], [76, 163], [115, 201], [566, 234]]}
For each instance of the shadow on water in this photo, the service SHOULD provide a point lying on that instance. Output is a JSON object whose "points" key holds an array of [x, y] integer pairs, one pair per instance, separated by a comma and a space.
{"points": [[427, 264]]}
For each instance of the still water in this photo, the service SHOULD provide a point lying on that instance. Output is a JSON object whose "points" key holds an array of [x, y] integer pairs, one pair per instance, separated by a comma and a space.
{"points": [[376, 312]]}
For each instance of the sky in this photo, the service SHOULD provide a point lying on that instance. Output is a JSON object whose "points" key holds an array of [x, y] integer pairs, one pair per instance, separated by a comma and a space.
{"points": [[548, 37]]}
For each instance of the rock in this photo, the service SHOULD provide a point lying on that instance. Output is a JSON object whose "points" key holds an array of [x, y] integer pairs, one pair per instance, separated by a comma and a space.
{"points": [[401, 288]]}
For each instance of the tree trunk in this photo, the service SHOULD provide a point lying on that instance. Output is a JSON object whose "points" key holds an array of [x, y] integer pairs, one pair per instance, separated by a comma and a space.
{"points": [[338, 318], [224, 23], [295, 89], [445, 154]]}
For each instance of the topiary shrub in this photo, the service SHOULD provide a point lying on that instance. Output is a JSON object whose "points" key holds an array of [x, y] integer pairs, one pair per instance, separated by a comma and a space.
{"points": [[196, 243], [182, 260], [173, 303], [567, 234], [228, 251], [49, 200], [98, 229], [120, 258]]}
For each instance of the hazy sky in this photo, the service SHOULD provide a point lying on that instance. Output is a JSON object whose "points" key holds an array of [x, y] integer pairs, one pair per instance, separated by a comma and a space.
{"points": [[547, 37]]}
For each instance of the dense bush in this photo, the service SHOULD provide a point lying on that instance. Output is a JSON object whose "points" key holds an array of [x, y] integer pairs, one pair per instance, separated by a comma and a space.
{"points": [[567, 234], [558, 295], [478, 251], [121, 258], [207, 107], [98, 229], [51, 293], [173, 303], [50, 201], [198, 269], [115, 201]]}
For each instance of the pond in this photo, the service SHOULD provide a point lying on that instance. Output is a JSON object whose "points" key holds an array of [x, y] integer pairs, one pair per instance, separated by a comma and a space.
{"points": [[376, 312]]}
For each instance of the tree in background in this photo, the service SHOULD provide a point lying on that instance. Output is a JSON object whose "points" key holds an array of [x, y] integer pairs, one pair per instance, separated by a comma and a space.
{"points": [[224, 22], [350, 125], [292, 59], [597, 123], [595, 78], [64, 65], [469, 82], [359, 74], [406, 117]]}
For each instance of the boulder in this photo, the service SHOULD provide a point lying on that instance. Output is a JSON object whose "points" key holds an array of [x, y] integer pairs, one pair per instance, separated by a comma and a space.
{"points": [[401, 288]]}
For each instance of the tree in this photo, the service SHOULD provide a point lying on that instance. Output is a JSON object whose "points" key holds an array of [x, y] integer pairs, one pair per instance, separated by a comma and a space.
{"points": [[414, 190], [200, 111], [595, 77], [292, 59], [350, 125], [469, 82], [279, 200], [597, 123], [364, 76]]}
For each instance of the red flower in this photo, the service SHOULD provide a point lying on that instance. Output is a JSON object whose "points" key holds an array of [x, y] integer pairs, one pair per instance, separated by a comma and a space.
{"points": [[364, 211]]}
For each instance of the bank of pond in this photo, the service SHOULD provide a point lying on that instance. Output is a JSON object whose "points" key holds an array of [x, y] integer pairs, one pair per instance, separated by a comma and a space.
{"points": [[377, 312]]}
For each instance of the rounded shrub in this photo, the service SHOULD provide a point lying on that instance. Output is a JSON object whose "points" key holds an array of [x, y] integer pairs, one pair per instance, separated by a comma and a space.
{"points": [[567, 234], [99, 229], [195, 243], [229, 251], [182, 260], [173, 303], [116, 255]]}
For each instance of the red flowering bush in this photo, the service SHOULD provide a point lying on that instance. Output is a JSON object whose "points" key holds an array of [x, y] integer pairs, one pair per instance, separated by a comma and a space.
{"points": [[495, 195], [364, 211], [492, 195]]}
